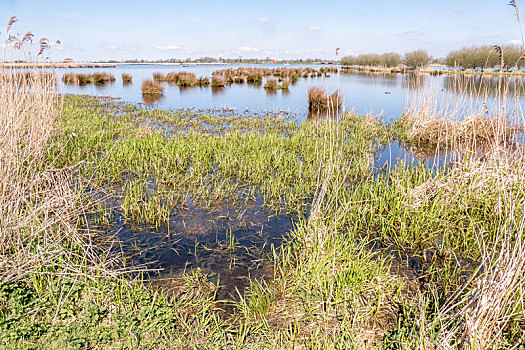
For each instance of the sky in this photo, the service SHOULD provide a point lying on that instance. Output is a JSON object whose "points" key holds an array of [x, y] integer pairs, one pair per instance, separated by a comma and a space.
{"points": [[97, 30]]}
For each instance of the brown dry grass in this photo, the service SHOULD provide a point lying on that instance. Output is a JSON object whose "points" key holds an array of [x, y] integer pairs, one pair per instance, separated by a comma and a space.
{"points": [[439, 123], [152, 88], [186, 79], [127, 78], [39, 205], [319, 100], [271, 84], [97, 78], [218, 80]]}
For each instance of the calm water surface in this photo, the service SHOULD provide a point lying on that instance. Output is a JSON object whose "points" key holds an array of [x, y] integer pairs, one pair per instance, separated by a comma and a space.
{"points": [[374, 93]]}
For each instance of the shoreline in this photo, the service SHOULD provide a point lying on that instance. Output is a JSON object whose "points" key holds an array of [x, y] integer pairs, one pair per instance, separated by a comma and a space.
{"points": [[404, 70], [116, 64]]}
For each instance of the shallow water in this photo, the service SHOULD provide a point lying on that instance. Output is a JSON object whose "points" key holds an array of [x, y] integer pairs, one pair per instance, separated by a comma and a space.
{"points": [[227, 242], [374, 93]]}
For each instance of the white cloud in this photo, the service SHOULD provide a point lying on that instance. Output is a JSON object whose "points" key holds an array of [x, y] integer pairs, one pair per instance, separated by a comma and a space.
{"points": [[248, 49], [56, 46], [195, 22], [264, 19], [169, 48], [314, 29], [514, 42]]}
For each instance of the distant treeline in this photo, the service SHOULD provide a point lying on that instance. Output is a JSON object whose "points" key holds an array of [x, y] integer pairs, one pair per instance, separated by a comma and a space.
{"points": [[486, 56], [417, 58], [370, 59], [467, 58]]}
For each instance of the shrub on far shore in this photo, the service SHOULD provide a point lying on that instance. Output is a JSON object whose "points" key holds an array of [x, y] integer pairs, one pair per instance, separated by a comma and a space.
{"points": [[417, 59]]}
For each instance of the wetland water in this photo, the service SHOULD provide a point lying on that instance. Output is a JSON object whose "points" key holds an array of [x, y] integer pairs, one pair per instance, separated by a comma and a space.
{"points": [[229, 242], [364, 93]]}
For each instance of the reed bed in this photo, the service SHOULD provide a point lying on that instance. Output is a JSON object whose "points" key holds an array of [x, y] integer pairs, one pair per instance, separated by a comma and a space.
{"points": [[96, 78], [271, 84], [127, 78], [319, 100], [152, 88], [437, 125], [186, 79], [218, 80], [182, 79], [256, 75]]}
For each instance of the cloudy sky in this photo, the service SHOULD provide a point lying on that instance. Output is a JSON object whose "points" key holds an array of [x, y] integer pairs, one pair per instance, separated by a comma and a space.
{"points": [[160, 29]]}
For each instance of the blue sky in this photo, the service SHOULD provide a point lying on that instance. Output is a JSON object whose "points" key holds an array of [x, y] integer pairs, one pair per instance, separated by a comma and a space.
{"points": [[159, 29]]}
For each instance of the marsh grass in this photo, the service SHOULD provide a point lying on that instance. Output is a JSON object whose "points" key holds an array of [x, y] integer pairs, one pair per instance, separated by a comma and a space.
{"points": [[319, 101], [186, 79], [218, 81], [127, 78], [401, 257], [152, 88], [97, 78], [271, 84]]}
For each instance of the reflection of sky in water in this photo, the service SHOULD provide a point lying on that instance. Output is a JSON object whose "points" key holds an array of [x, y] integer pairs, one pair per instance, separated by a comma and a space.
{"points": [[363, 93]]}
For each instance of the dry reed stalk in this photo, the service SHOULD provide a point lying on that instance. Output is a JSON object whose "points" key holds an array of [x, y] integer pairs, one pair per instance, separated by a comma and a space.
{"points": [[439, 123], [498, 171], [320, 101], [39, 206], [478, 314]]}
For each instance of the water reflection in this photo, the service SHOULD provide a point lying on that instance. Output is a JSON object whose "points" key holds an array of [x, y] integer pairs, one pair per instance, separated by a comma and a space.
{"points": [[487, 85], [152, 99], [414, 81], [364, 92], [218, 90]]}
